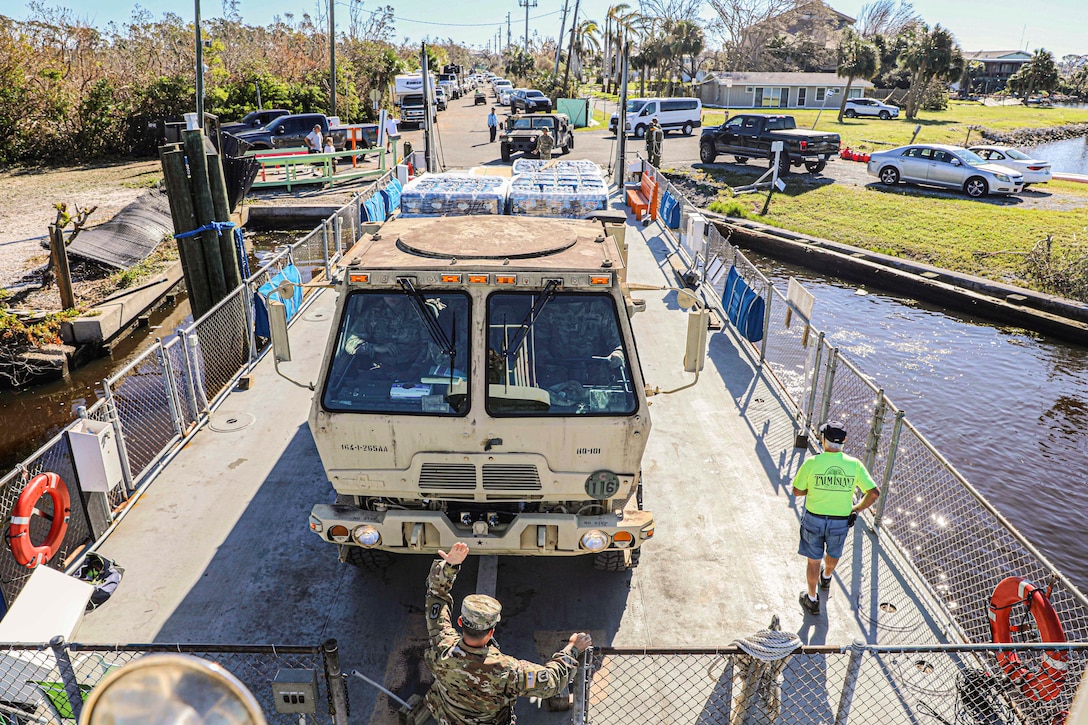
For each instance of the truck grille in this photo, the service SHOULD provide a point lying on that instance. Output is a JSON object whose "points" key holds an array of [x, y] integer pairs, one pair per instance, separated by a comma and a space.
{"points": [[448, 476], [511, 476]]}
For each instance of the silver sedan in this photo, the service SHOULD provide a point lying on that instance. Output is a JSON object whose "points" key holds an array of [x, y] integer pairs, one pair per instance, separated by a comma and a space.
{"points": [[951, 167]]}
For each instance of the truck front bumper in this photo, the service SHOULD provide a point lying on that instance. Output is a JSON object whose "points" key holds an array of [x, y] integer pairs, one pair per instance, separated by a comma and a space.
{"points": [[534, 534]]}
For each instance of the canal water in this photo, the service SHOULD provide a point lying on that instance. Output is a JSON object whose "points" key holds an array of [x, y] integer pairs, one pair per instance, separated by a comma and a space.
{"points": [[1008, 408], [1069, 156]]}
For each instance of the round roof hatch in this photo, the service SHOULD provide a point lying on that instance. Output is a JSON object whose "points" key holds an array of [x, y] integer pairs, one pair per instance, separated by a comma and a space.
{"points": [[486, 238]]}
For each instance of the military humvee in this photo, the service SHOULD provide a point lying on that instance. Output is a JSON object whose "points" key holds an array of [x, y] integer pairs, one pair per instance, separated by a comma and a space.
{"points": [[523, 129], [481, 384]]}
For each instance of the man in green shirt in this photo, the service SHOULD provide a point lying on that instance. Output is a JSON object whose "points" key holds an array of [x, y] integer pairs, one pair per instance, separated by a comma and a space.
{"points": [[827, 481]]}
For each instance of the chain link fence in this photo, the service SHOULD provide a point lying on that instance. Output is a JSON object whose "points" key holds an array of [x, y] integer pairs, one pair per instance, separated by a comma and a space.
{"points": [[156, 401], [48, 683], [908, 685]]}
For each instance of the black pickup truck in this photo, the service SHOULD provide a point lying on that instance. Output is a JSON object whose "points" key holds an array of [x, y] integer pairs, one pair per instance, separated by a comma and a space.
{"points": [[749, 136], [291, 131]]}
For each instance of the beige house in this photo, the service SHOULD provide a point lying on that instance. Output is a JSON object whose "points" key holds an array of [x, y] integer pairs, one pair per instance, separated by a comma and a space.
{"points": [[777, 90]]}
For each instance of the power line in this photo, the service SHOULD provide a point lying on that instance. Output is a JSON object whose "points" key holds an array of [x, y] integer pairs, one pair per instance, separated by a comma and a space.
{"points": [[456, 25]]}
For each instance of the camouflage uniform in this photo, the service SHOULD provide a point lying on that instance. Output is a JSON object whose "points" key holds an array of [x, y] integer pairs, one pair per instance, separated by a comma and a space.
{"points": [[398, 325], [480, 685], [578, 331], [655, 136], [544, 146]]}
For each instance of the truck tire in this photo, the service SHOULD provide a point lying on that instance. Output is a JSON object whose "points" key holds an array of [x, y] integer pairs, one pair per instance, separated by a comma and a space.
{"points": [[707, 154], [504, 150], [815, 167], [783, 164], [741, 159], [615, 560], [369, 559], [640, 131]]}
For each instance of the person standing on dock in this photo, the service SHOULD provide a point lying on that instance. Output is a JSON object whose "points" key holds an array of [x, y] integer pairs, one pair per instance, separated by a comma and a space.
{"points": [[827, 481], [492, 125], [313, 144], [390, 132], [475, 683]]}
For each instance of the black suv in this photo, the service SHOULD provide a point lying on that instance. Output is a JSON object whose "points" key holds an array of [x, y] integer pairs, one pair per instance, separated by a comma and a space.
{"points": [[529, 100]]}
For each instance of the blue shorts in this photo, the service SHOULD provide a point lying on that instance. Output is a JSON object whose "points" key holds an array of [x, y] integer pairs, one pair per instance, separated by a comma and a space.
{"points": [[818, 534]]}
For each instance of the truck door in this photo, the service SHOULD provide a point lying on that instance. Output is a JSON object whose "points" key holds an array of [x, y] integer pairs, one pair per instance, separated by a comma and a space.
{"points": [[727, 140], [748, 141]]}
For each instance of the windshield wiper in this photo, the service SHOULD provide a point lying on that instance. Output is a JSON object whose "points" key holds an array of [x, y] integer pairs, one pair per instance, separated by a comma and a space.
{"points": [[546, 296], [430, 322]]}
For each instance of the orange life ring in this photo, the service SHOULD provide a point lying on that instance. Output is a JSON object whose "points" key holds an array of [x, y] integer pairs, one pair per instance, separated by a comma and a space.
{"points": [[1046, 682], [22, 548]]}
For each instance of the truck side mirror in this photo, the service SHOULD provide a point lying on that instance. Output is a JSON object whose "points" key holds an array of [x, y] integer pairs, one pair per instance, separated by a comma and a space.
{"points": [[695, 347], [277, 324], [280, 130]]}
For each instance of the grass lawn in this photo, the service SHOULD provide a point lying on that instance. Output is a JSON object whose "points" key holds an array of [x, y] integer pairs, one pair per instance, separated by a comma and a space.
{"points": [[951, 126], [956, 233]]}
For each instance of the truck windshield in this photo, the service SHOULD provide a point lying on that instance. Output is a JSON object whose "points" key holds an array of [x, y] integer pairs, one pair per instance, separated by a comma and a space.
{"points": [[415, 100], [386, 360], [571, 360]]}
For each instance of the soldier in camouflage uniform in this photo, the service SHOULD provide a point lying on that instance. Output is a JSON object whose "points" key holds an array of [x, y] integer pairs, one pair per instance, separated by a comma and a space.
{"points": [[573, 338], [545, 144], [655, 137], [390, 335], [475, 683]]}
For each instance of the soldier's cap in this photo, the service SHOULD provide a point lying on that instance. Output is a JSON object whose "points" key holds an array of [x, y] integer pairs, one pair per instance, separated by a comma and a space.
{"points": [[834, 431], [480, 612]]}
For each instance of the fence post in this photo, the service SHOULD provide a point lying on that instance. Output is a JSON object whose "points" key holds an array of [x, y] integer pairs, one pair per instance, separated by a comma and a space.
{"points": [[801, 439], [874, 429], [67, 675], [889, 466], [853, 668], [251, 324], [338, 229], [189, 373], [171, 391], [325, 248], [768, 295], [829, 380], [122, 449], [338, 694], [581, 688], [196, 381]]}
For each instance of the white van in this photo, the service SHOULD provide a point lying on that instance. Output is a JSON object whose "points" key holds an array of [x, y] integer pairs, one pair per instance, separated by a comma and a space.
{"points": [[674, 114]]}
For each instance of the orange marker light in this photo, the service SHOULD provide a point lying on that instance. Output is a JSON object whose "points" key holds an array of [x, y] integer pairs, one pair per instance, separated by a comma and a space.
{"points": [[359, 278], [502, 279], [607, 279], [477, 279], [451, 279]]}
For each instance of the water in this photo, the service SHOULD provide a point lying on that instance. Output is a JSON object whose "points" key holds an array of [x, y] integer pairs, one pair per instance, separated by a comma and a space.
{"points": [[1008, 408], [1069, 156]]}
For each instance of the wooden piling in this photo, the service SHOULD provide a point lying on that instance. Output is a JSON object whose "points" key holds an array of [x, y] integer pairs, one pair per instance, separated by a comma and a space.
{"points": [[227, 248], [205, 212], [181, 210], [60, 264]]}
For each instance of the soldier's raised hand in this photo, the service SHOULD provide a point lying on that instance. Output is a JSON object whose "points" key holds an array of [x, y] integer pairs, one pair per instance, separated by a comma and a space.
{"points": [[458, 553], [581, 640]]}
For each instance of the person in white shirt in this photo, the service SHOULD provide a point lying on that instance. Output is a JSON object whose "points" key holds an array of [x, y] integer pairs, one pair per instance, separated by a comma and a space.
{"points": [[313, 143], [390, 130]]}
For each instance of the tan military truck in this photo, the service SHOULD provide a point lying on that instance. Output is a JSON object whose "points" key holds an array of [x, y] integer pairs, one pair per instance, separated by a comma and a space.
{"points": [[481, 384]]}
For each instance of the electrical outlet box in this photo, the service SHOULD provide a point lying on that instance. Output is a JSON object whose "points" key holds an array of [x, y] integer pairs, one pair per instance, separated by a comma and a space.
{"points": [[295, 691]]}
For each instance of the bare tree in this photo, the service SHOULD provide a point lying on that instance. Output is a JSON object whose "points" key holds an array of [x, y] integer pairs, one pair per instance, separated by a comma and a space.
{"points": [[886, 17], [745, 28], [671, 10]]}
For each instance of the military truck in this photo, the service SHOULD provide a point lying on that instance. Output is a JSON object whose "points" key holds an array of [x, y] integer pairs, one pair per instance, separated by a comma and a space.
{"points": [[481, 384], [522, 131]]}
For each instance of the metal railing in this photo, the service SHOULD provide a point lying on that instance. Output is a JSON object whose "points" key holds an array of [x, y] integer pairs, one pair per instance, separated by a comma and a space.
{"points": [[48, 683], [960, 684], [936, 522], [159, 399]]}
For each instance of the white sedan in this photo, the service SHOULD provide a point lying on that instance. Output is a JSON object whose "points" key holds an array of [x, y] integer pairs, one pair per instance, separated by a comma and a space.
{"points": [[505, 94], [1035, 171], [952, 167]]}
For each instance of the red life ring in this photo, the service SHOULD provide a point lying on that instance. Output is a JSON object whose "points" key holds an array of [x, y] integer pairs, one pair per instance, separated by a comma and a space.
{"points": [[22, 548], [1046, 682]]}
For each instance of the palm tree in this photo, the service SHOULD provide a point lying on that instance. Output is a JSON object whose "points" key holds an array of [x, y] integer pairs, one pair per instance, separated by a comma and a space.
{"points": [[586, 41], [623, 24], [929, 55], [857, 58], [687, 40], [1038, 74]]}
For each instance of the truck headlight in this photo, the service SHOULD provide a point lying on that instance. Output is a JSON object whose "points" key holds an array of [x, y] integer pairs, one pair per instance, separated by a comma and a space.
{"points": [[366, 535], [594, 540]]}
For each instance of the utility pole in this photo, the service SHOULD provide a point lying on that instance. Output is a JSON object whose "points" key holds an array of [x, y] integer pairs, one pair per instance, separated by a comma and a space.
{"points": [[428, 111], [199, 68], [332, 58], [559, 38], [570, 49], [508, 30], [621, 120], [607, 50], [526, 4]]}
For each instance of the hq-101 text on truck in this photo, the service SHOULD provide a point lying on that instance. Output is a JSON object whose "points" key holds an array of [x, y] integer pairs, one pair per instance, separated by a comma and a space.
{"points": [[481, 384]]}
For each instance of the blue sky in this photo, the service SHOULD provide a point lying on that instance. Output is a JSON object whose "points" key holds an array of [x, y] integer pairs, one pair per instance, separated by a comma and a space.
{"points": [[1057, 25]]}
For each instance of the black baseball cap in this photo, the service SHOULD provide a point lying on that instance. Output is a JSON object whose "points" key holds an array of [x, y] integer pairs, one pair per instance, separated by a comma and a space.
{"points": [[834, 431]]}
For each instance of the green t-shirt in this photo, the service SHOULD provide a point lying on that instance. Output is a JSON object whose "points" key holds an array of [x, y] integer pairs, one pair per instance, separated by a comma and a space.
{"points": [[830, 480]]}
